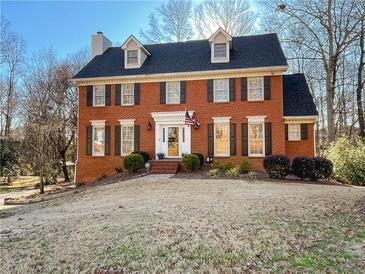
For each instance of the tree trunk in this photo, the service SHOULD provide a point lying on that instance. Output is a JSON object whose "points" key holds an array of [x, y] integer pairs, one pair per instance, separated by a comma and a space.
{"points": [[64, 167], [360, 83]]}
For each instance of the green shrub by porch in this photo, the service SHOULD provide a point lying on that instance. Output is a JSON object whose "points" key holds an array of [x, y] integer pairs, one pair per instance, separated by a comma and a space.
{"points": [[303, 167], [133, 162], [191, 162], [323, 168]]}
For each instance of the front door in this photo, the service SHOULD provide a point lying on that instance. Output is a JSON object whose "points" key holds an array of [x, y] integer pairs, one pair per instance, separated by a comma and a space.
{"points": [[173, 142]]}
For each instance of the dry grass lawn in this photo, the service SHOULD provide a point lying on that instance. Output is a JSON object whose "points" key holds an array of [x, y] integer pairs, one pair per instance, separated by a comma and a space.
{"points": [[156, 224]]}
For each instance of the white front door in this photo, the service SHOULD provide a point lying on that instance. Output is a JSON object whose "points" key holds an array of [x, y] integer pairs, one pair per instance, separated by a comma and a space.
{"points": [[172, 136]]}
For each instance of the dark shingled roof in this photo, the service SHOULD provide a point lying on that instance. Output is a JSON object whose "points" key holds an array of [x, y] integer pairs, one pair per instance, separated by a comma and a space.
{"points": [[298, 100], [247, 52]]}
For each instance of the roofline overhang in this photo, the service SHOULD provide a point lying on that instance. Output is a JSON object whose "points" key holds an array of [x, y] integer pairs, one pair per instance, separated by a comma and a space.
{"points": [[191, 75], [302, 119]]}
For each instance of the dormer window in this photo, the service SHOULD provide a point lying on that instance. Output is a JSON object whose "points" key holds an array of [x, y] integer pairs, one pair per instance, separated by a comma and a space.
{"points": [[134, 53], [220, 50], [132, 57], [220, 45]]}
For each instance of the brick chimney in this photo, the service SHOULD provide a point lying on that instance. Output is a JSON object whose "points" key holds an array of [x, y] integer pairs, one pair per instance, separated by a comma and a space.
{"points": [[99, 44]]}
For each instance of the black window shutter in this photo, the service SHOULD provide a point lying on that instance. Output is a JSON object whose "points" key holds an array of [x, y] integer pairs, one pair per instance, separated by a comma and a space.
{"points": [[210, 91], [117, 140], [267, 87], [137, 93], [232, 139], [163, 93], [304, 131], [108, 92], [89, 140], [286, 132], [244, 89], [232, 89], [117, 95], [107, 140], [268, 139], [182, 92], [244, 127], [137, 137], [211, 139], [89, 96]]}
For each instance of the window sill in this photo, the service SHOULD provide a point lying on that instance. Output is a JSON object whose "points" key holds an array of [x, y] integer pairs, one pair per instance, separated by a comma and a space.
{"points": [[256, 100], [99, 106], [127, 105], [173, 104], [256, 156], [221, 102]]}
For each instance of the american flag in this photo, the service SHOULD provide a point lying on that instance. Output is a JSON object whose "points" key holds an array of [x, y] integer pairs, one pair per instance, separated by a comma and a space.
{"points": [[189, 120]]}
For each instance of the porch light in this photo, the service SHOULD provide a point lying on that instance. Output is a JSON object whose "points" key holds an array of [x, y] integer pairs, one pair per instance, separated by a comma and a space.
{"points": [[209, 159], [149, 125]]}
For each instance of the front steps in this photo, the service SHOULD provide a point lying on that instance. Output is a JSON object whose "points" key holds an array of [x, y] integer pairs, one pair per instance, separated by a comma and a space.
{"points": [[164, 166]]}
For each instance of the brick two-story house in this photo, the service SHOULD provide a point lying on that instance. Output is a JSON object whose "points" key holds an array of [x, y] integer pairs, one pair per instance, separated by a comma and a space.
{"points": [[135, 97]]}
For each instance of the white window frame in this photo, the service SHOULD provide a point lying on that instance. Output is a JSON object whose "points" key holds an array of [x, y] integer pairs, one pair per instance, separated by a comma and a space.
{"points": [[262, 89], [217, 121], [225, 48], [214, 90], [256, 120], [219, 59], [168, 91], [126, 123], [290, 137], [94, 100], [122, 97], [138, 58], [97, 124]]}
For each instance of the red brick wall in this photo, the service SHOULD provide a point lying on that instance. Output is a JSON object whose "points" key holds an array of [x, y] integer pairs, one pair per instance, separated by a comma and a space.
{"points": [[302, 147], [89, 168]]}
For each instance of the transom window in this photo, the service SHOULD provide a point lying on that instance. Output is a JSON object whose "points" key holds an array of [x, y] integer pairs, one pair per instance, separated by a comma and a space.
{"points": [[132, 57], [99, 95], [220, 50], [293, 132], [256, 139], [172, 92], [127, 139], [221, 90], [221, 139], [255, 89], [98, 140], [127, 94]]}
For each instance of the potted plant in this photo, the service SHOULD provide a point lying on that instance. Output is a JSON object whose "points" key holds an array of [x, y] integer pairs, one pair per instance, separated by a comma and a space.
{"points": [[160, 155]]}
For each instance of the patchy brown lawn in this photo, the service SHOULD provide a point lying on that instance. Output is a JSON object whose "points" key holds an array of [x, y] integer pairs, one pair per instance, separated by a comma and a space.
{"points": [[157, 224]]}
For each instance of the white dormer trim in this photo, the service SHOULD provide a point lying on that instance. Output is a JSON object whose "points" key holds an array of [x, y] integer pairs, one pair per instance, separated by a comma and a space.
{"points": [[142, 53], [220, 30], [227, 40]]}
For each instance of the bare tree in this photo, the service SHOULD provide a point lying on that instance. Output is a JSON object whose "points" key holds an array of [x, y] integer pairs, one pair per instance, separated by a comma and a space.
{"points": [[170, 23], [11, 58], [234, 16], [325, 29], [360, 77]]}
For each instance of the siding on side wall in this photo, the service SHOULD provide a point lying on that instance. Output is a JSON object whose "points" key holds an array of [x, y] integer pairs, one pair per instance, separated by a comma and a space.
{"points": [[90, 168]]}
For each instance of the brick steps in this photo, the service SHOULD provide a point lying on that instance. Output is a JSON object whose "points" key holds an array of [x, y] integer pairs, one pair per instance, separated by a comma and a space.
{"points": [[164, 166]]}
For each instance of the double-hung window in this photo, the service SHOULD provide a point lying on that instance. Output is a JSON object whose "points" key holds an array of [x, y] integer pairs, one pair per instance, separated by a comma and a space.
{"points": [[98, 140], [127, 94], [293, 132], [220, 50], [172, 92], [99, 95], [221, 136], [221, 90], [256, 136], [255, 89], [127, 139], [132, 57]]}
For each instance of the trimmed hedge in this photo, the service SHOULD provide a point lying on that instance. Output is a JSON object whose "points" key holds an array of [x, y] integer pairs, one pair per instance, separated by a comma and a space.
{"points": [[144, 154], [191, 162], [277, 166], [133, 162], [303, 167], [201, 158], [323, 168]]}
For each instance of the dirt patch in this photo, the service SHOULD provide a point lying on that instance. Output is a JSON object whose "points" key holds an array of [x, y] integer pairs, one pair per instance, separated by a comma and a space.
{"points": [[158, 224]]}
